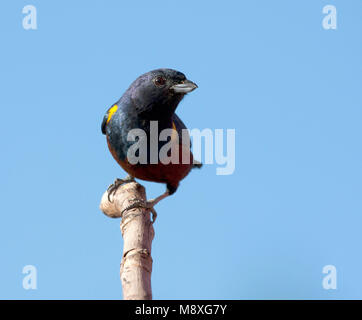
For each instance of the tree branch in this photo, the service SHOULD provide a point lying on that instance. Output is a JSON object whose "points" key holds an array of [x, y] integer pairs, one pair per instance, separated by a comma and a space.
{"points": [[137, 231]]}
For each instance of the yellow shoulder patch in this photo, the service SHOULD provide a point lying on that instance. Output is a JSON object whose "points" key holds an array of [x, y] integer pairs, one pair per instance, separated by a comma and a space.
{"points": [[111, 112]]}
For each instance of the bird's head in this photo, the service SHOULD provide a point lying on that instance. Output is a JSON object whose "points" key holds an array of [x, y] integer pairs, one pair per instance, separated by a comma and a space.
{"points": [[157, 93]]}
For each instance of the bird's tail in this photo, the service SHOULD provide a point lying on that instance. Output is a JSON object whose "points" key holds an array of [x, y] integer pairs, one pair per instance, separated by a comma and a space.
{"points": [[197, 164]]}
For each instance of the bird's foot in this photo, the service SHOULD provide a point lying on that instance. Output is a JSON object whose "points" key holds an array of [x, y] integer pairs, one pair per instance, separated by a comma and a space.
{"points": [[143, 204], [117, 183], [147, 205]]}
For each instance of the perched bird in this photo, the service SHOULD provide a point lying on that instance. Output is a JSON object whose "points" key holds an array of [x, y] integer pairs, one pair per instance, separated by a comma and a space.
{"points": [[154, 96]]}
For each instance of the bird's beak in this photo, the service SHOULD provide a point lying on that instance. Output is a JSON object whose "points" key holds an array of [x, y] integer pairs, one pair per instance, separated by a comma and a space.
{"points": [[185, 87]]}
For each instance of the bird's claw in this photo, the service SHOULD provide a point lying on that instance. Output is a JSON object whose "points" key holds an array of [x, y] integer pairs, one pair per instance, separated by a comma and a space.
{"points": [[142, 204], [117, 183]]}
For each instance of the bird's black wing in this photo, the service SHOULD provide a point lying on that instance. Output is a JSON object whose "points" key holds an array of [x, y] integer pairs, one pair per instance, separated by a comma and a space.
{"points": [[104, 123], [107, 117]]}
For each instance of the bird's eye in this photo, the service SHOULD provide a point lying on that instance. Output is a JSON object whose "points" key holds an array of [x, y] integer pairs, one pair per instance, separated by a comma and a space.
{"points": [[159, 81]]}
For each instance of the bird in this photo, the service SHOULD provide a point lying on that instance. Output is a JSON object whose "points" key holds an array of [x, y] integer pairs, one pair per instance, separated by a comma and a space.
{"points": [[152, 97]]}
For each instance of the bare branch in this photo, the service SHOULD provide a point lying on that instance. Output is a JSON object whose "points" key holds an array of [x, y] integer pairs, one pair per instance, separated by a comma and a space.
{"points": [[137, 231]]}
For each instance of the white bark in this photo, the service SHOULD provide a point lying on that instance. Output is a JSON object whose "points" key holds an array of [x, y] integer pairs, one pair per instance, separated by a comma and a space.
{"points": [[137, 231]]}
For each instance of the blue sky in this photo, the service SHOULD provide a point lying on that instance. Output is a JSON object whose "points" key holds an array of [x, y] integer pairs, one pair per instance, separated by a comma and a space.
{"points": [[267, 69]]}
